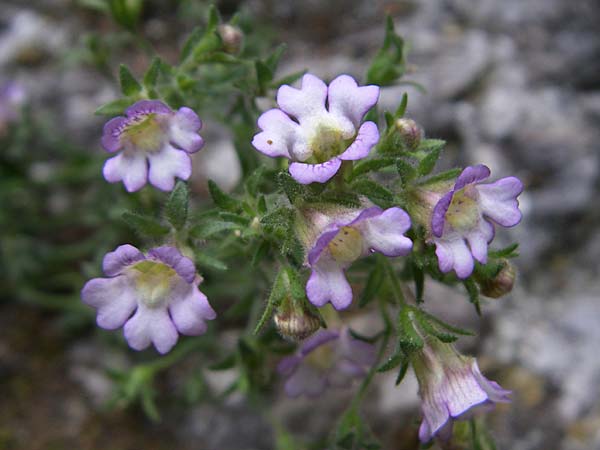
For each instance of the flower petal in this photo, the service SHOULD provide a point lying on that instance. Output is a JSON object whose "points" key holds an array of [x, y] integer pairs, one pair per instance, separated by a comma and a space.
{"points": [[132, 169], [184, 128], [114, 298], [190, 313], [145, 107], [461, 393], [280, 134], [321, 337], [151, 326], [124, 255], [111, 134], [499, 201], [305, 381], [166, 165], [310, 173], [367, 137], [385, 233], [478, 239], [470, 175], [306, 102], [171, 256], [493, 390], [438, 218], [349, 100], [454, 254], [327, 283], [288, 364]]}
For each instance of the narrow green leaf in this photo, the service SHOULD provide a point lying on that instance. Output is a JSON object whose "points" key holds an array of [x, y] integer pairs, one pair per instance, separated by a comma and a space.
{"points": [[393, 361], [402, 371], [221, 199], [145, 226], [408, 336], [176, 210], [372, 286], [113, 108], [444, 176], [205, 260], [261, 252], [191, 43], [473, 292], [375, 192], [406, 171], [151, 75], [278, 291], [226, 363], [209, 228], [288, 79], [129, 85], [402, 107], [371, 165], [428, 162], [506, 252], [430, 145]]}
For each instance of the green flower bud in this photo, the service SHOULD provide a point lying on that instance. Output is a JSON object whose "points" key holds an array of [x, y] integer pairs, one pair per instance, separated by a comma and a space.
{"points": [[232, 38], [502, 283], [411, 133]]}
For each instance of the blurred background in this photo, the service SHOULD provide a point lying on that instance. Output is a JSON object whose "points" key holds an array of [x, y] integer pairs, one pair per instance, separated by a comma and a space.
{"points": [[514, 84]]}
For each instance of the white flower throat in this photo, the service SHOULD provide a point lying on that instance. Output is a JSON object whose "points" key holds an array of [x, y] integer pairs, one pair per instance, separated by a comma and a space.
{"points": [[153, 282], [463, 212]]}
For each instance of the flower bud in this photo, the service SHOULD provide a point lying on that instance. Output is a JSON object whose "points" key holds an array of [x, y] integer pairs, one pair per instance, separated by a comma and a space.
{"points": [[411, 133], [502, 283], [232, 38], [295, 321]]}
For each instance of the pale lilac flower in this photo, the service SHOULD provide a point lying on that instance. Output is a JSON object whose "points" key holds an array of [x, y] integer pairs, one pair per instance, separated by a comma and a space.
{"points": [[462, 220], [12, 98], [329, 358], [317, 127], [155, 296], [155, 143], [451, 388], [345, 237]]}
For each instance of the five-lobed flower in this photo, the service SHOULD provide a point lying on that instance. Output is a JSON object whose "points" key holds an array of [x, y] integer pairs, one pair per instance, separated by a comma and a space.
{"points": [[329, 358], [319, 126], [462, 220], [451, 387], [341, 237], [161, 287], [154, 143]]}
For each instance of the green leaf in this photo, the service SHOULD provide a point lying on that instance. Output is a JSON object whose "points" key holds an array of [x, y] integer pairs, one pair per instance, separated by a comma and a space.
{"points": [[402, 371], [506, 252], [430, 145], [176, 210], [264, 74], [151, 75], [409, 339], [290, 187], [207, 229], [191, 43], [419, 277], [342, 198], [262, 250], [473, 292], [441, 323], [393, 361], [375, 192], [406, 171], [371, 165], [126, 12], [113, 108], [428, 162], [402, 107], [226, 363], [273, 60], [278, 291], [444, 176], [145, 226], [430, 329], [389, 62], [129, 85], [221, 199], [205, 260], [372, 286], [288, 79]]}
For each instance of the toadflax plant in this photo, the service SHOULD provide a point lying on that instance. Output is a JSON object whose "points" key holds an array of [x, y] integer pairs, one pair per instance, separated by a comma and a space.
{"points": [[338, 213]]}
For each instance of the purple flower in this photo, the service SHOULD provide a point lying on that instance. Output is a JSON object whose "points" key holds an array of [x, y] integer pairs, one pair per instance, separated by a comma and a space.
{"points": [[317, 127], [328, 358], [462, 220], [155, 295], [345, 237], [12, 97], [451, 388], [155, 143]]}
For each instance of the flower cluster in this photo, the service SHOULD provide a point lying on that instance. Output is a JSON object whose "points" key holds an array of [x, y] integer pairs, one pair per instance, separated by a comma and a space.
{"points": [[318, 128]]}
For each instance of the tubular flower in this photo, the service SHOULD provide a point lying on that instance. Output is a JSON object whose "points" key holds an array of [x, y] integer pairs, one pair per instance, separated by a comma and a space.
{"points": [[317, 127], [463, 218], [345, 237], [451, 388], [328, 358], [154, 295], [155, 143]]}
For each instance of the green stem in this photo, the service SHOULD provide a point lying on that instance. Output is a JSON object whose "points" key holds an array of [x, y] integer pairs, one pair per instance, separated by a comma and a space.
{"points": [[395, 283]]}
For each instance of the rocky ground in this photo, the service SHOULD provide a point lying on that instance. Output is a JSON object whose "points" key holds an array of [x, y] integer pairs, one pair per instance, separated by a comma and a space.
{"points": [[514, 84]]}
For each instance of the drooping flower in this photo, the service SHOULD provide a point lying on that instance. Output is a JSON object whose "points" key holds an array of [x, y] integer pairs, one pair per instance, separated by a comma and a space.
{"points": [[342, 238], [451, 387], [317, 127], [155, 296], [329, 358], [155, 143], [462, 222]]}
